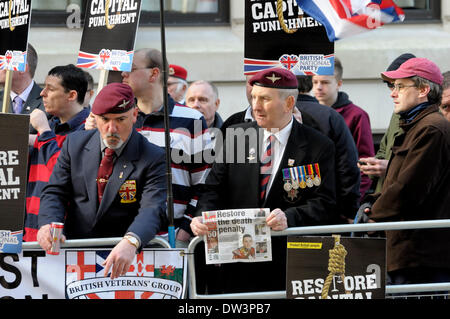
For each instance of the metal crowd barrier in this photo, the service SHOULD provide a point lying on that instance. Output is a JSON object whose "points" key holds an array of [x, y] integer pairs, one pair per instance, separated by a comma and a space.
{"points": [[95, 242], [312, 230]]}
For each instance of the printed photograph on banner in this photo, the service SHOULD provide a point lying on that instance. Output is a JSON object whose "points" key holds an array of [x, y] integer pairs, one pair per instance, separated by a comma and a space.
{"points": [[109, 35], [13, 179], [335, 267], [237, 236], [15, 19], [154, 274], [285, 36]]}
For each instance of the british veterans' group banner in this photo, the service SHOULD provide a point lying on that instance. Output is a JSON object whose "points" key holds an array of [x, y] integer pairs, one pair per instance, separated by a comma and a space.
{"points": [[13, 180], [15, 18], [336, 268], [157, 273], [300, 44], [109, 34]]}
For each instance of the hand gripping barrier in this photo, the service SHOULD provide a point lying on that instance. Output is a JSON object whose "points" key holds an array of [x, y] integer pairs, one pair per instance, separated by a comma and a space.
{"points": [[312, 230]]}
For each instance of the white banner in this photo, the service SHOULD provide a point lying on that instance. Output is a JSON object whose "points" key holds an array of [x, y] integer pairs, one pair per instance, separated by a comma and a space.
{"points": [[79, 274]]}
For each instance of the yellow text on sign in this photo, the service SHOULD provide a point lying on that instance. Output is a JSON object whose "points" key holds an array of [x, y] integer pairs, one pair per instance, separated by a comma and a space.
{"points": [[304, 245]]}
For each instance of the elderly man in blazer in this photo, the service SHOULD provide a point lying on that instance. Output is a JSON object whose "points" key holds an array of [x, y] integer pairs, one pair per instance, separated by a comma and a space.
{"points": [[128, 200], [300, 188]]}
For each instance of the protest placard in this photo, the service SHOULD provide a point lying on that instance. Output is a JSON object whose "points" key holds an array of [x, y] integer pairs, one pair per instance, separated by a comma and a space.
{"points": [[13, 180], [335, 267], [109, 34], [300, 44]]}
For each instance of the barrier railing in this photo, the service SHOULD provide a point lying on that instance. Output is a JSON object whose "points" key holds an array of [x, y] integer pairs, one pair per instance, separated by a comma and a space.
{"points": [[312, 230], [95, 242]]}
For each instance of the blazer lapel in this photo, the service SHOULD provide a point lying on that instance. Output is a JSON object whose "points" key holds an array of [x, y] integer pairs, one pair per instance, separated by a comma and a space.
{"points": [[91, 164]]}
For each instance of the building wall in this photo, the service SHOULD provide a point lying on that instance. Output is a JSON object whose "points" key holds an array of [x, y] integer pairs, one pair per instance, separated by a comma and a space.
{"points": [[216, 54]]}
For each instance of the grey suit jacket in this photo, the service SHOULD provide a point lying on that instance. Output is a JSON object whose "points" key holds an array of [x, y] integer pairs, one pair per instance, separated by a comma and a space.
{"points": [[33, 101]]}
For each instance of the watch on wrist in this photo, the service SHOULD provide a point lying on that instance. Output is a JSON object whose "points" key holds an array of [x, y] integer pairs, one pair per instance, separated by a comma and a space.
{"points": [[132, 240]]}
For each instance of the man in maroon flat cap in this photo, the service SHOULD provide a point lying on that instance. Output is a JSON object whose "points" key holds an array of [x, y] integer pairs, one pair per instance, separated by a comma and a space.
{"points": [[276, 163], [108, 182], [177, 83], [417, 178]]}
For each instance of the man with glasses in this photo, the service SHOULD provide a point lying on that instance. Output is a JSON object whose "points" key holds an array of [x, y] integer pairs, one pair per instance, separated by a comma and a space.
{"points": [[189, 136], [375, 167], [445, 104], [417, 179], [176, 83]]}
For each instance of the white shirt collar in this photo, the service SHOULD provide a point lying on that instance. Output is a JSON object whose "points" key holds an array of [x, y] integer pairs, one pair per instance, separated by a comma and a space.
{"points": [[248, 115], [282, 135]]}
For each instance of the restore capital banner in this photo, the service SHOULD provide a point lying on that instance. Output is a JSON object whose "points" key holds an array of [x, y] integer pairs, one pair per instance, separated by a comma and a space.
{"points": [[336, 268], [13, 180], [307, 51]]}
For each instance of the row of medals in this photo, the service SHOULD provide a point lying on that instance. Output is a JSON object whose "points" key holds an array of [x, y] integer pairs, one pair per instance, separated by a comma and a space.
{"points": [[295, 184]]}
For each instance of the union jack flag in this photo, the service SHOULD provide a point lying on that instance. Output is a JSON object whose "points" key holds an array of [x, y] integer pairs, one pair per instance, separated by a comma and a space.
{"points": [[344, 18], [289, 61]]}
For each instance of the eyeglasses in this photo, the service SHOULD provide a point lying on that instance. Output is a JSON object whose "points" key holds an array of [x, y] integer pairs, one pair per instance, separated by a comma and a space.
{"points": [[400, 87]]}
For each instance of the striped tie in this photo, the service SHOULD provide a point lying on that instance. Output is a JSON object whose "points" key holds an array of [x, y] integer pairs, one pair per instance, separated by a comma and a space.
{"points": [[266, 168]]}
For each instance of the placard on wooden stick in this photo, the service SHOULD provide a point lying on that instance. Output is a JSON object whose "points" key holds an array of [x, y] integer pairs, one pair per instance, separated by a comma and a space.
{"points": [[109, 36]]}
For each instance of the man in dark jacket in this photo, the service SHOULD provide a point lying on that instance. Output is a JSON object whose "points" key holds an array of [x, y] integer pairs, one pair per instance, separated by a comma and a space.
{"points": [[332, 124], [326, 89], [418, 177]]}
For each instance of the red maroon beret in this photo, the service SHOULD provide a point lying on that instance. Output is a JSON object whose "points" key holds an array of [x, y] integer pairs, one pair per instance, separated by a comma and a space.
{"points": [[178, 71], [113, 98], [275, 78]]}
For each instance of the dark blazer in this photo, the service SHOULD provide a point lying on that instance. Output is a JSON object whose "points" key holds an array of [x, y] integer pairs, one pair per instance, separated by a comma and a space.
{"points": [[348, 177], [72, 189], [33, 101], [235, 185]]}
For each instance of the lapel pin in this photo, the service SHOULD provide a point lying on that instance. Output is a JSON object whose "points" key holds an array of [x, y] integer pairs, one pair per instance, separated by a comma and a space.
{"points": [[121, 175], [251, 153], [291, 162]]}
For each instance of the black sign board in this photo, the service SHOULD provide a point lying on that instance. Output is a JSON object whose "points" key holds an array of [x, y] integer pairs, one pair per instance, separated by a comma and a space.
{"points": [[335, 268], [109, 34], [307, 51], [15, 18], [13, 180]]}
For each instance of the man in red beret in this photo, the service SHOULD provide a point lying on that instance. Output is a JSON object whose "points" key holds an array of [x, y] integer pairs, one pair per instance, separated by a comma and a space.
{"points": [[276, 163], [177, 83], [417, 178], [108, 182]]}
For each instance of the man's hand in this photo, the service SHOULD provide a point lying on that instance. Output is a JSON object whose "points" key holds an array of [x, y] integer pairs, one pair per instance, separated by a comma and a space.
{"points": [[373, 166], [120, 259], [44, 237], [197, 226], [39, 121], [90, 123], [277, 220]]}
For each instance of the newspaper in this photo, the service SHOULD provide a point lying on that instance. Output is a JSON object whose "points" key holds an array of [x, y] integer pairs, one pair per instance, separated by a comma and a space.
{"points": [[237, 235]]}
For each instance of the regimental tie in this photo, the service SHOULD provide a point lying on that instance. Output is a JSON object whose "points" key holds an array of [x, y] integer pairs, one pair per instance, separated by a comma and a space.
{"points": [[17, 105], [104, 172], [266, 168]]}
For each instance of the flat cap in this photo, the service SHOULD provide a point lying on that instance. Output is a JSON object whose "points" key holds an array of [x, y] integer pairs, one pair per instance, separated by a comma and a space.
{"points": [[421, 67], [177, 71], [113, 98], [277, 78]]}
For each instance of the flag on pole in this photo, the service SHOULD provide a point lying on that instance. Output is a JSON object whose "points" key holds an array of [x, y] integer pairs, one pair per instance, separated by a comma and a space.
{"points": [[344, 18]]}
